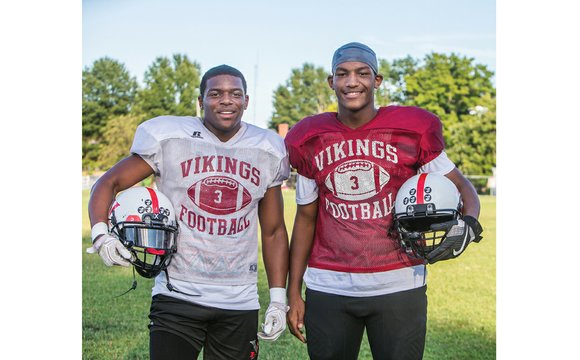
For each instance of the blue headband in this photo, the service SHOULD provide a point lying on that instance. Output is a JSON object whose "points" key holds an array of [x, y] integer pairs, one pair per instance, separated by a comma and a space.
{"points": [[355, 51]]}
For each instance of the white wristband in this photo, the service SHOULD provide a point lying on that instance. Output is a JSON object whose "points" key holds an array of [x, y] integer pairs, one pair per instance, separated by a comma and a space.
{"points": [[99, 228], [278, 295]]}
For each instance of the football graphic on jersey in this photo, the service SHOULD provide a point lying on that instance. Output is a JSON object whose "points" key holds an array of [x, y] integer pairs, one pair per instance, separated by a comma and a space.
{"points": [[356, 180], [219, 195]]}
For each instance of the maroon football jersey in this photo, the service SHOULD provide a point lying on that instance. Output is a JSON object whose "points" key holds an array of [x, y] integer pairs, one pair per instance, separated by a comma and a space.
{"points": [[358, 172]]}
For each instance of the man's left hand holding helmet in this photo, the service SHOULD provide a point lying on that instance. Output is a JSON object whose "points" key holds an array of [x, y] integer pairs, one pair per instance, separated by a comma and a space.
{"points": [[460, 232]]}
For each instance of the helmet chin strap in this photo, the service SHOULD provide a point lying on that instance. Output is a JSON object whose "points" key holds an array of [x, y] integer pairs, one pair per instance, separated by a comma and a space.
{"points": [[133, 287], [170, 287], [173, 288]]}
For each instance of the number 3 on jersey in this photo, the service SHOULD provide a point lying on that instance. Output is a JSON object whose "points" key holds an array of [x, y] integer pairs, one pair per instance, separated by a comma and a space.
{"points": [[354, 180], [219, 195], [218, 198]]}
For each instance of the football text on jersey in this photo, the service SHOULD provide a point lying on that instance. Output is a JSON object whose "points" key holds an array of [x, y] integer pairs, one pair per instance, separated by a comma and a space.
{"points": [[361, 211], [212, 225]]}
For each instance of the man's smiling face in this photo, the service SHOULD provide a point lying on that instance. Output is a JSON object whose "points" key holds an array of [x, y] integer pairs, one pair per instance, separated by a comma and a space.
{"points": [[354, 84], [224, 103]]}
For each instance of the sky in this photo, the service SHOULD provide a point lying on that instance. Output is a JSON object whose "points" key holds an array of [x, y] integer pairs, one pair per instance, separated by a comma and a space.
{"points": [[267, 39]]}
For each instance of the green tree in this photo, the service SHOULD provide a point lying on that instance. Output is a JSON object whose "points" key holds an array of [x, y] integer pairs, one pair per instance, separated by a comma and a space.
{"points": [[108, 90], [117, 139], [171, 87], [471, 141], [305, 93], [393, 88], [462, 94]]}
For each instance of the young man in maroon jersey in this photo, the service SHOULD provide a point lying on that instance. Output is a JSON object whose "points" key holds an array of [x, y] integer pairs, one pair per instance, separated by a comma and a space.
{"points": [[350, 166]]}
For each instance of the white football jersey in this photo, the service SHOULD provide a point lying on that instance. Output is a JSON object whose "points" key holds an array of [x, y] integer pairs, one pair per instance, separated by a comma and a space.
{"points": [[215, 188]]}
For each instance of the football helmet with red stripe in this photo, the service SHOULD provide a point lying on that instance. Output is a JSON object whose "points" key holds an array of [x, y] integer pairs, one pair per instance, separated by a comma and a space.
{"points": [[424, 200], [143, 220]]}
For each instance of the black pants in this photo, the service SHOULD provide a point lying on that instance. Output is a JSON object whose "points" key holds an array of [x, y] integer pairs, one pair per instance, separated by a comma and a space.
{"points": [[179, 330], [396, 325]]}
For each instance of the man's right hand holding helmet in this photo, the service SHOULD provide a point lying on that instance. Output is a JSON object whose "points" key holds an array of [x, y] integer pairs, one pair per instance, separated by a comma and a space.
{"points": [[111, 250]]}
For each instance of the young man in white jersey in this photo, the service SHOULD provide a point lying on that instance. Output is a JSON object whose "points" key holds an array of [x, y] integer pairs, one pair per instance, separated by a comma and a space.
{"points": [[350, 165], [215, 267]]}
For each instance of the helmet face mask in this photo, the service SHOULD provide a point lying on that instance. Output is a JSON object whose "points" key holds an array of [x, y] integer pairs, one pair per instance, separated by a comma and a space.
{"points": [[424, 200], [143, 219]]}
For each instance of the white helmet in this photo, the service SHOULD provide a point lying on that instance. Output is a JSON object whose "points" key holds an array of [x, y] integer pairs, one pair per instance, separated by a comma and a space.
{"points": [[143, 219], [423, 200]]}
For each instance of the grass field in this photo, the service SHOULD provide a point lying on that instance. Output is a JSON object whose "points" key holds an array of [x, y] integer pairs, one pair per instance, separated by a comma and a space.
{"points": [[461, 295]]}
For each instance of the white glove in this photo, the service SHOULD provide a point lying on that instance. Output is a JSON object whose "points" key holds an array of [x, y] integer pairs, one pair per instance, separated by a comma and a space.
{"points": [[109, 247], [275, 317]]}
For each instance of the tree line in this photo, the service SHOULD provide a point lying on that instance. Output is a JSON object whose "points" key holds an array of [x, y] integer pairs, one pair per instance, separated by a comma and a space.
{"points": [[455, 88]]}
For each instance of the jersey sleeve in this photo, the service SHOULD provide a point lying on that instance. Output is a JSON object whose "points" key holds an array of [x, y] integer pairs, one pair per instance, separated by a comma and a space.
{"points": [[441, 165], [432, 143], [147, 147], [306, 190], [296, 158], [283, 172]]}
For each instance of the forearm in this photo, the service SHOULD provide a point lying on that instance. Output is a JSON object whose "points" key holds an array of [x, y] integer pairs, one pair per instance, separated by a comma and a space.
{"points": [[471, 206], [275, 255], [299, 253], [102, 194], [274, 237]]}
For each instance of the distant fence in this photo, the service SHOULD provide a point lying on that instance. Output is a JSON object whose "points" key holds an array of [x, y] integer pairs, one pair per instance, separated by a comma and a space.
{"points": [[89, 181], [484, 184]]}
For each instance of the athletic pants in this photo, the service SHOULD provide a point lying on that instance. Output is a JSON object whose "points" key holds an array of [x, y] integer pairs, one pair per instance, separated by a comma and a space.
{"points": [[395, 325], [179, 330]]}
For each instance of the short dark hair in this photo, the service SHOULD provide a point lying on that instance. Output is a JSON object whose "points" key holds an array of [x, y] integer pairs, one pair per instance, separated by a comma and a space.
{"points": [[221, 70]]}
